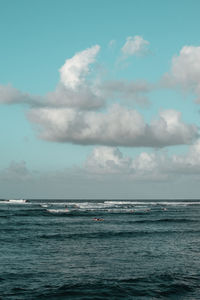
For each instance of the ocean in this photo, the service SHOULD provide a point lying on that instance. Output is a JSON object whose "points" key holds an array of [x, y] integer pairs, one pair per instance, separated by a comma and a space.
{"points": [[99, 249]]}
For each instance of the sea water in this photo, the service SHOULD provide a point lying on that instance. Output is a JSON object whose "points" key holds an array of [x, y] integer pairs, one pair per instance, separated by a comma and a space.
{"points": [[62, 249]]}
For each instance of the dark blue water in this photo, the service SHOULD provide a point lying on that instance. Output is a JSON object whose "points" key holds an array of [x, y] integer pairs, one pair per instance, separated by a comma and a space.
{"points": [[51, 249]]}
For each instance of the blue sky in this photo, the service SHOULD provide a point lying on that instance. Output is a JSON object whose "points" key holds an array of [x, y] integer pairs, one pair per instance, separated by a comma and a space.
{"points": [[99, 94]]}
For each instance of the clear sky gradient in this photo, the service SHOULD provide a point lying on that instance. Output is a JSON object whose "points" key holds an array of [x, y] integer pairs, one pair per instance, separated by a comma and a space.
{"points": [[99, 99]]}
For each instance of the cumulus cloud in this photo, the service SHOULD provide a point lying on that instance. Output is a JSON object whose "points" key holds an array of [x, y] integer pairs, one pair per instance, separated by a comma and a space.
{"points": [[146, 166], [71, 113], [76, 90], [110, 163], [189, 162], [157, 165], [73, 72], [169, 129], [107, 160], [135, 45], [185, 71], [82, 98], [116, 127], [73, 90]]}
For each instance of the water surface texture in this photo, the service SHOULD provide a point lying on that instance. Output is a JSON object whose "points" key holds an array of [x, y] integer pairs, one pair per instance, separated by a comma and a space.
{"points": [[62, 249]]}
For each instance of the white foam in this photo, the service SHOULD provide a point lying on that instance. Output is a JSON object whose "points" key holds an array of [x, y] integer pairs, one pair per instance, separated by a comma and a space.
{"points": [[65, 204], [139, 203], [90, 205], [117, 205], [58, 210], [119, 202], [14, 201], [117, 210], [44, 205]]}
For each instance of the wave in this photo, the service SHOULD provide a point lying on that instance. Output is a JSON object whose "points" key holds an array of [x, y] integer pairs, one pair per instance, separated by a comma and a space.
{"points": [[168, 203], [151, 287], [166, 220], [102, 208], [111, 234], [14, 201], [150, 214], [58, 211]]}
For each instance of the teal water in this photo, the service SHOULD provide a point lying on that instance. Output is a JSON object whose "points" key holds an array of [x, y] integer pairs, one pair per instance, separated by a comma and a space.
{"points": [[58, 249]]}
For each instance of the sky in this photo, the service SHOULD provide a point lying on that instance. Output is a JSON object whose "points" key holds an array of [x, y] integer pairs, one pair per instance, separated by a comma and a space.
{"points": [[100, 99]]}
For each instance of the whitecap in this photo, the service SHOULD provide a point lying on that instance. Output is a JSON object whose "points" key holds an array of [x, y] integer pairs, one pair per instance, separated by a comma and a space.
{"points": [[58, 210]]}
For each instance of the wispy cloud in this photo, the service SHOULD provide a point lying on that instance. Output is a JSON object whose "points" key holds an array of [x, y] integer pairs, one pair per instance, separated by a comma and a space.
{"points": [[16, 171], [112, 43], [11, 95], [135, 45], [134, 91]]}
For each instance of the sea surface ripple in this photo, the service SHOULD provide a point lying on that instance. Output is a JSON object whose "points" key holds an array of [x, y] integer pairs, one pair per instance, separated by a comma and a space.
{"points": [[99, 249]]}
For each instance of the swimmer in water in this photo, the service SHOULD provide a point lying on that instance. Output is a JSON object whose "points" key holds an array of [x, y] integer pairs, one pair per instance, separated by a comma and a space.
{"points": [[98, 219]]}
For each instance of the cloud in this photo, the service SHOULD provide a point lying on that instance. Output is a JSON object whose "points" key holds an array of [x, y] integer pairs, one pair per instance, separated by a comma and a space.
{"points": [[112, 43], [106, 167], [107, 160], [83, 98], [10, 95], [185, 71], [135, 45], [169, 129], [116, 127], [158, 165], [17, 171], [73, 72], [110, 161], [71, 113], [190, 162], [73, 90], [135, 91]]}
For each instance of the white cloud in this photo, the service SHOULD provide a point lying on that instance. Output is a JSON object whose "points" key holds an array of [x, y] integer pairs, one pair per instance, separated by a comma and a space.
{"points": [[107, 160], [73, 72], [70, 113], [83, 98], [157, 165], [72, 91], [146, 166], [169, 129], [145, 162], [189, 162], [109, 167], [185, 71], [117, 127], [135, 45]]}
